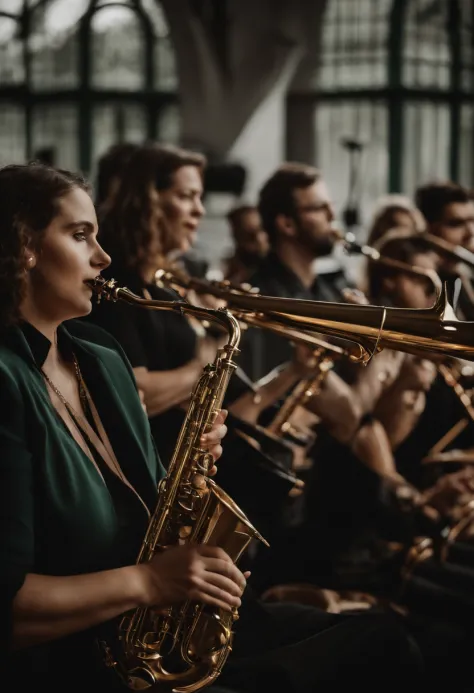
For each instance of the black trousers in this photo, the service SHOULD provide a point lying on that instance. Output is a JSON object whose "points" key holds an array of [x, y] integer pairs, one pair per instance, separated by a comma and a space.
{"points": [[300, 649]]}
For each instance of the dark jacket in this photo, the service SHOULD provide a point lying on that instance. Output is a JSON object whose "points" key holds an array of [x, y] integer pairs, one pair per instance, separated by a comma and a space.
{"points": [[58, 517]]}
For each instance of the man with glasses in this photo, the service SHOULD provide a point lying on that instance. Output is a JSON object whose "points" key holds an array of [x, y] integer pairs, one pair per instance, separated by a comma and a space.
{"points": [[298, 217]]}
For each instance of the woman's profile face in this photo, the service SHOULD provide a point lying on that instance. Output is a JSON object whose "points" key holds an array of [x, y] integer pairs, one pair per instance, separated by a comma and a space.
{"points": [[182, 209], [67, 255]]}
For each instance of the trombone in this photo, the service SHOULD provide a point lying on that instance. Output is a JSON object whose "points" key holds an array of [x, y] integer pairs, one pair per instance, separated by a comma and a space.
{"points": [[324, 352]]}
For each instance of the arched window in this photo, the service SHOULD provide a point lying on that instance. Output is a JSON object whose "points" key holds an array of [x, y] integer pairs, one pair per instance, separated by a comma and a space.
{"points": [[76, 77], [397, 77]]}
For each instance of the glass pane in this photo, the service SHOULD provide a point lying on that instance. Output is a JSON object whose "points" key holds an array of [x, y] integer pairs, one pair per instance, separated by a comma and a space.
{"points": [[467, 45], [12, 69], [169, 124], [426, 55], [365, 122], [157, 17], [164, 56], [466, 147], [11, 6], [117, 50], [54, 45], [354, 44], [12, 134], [426, 144], [114, 123], [166, 75], [55, 131]]}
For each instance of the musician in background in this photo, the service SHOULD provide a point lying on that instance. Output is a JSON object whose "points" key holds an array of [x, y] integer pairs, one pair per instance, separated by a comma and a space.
{"points": [[109, 170], [164, 184], [298, 215], [394, 211], [448, 209], [432, 408], [250, 243]]}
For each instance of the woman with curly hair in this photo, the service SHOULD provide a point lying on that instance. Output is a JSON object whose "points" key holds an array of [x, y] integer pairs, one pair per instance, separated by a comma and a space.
{"points": [[78, 465]]}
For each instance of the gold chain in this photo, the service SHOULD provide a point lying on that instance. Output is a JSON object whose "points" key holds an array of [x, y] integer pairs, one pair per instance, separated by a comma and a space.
{"points": [[58, 392], [84, 403]]}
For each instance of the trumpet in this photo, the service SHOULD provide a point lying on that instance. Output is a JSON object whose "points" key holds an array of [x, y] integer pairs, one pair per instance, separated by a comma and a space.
{"points": [[462, 259], [374, 254]]}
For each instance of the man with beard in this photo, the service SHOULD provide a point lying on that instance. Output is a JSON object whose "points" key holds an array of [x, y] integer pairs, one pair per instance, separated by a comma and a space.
{"points": [[297, 214]]}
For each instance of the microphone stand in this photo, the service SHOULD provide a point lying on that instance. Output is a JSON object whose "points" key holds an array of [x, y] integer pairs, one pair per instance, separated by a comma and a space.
{"points": [[351, 212]]}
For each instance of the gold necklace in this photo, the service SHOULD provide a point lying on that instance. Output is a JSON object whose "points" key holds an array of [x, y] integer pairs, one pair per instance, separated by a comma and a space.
{"points": [[57, 391], [100, 435]]}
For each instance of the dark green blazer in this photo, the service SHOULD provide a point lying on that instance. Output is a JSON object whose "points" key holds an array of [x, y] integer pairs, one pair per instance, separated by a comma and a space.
{"points": [[57, 516]]}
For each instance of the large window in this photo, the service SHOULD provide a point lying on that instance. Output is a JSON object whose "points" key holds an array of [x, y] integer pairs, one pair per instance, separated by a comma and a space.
{"points": [[77, 76], [397, 77]]}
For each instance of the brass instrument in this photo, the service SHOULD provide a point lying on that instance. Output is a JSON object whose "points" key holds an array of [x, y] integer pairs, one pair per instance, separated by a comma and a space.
{"points": [[455, 253], [306, 389], [374, 254], [447, 371], [324, 352], [423, 332], [184, 648], [462, 259], [222, 289]]}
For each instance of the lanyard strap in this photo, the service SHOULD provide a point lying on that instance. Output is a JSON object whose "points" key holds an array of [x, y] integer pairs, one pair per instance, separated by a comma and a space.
{"points": [[98, 441]]}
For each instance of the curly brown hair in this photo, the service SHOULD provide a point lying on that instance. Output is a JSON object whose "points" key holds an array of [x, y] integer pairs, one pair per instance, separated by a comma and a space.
{"points": [[29, 197], [134, 219]]}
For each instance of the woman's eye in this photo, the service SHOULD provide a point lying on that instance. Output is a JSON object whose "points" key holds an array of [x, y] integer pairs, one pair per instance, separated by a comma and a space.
{"points": [[80, 236]]}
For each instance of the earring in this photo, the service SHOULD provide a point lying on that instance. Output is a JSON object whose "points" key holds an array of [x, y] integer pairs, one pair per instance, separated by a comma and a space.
{"points": [[31, 261]]}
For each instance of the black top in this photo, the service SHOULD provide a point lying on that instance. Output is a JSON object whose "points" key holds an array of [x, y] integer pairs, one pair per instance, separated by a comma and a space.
{"points": [[263, 351], [157, 340]]}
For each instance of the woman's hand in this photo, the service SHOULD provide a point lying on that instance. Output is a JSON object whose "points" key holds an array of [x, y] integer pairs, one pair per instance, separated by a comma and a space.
{"points": [[200, 573], [211, 441]]}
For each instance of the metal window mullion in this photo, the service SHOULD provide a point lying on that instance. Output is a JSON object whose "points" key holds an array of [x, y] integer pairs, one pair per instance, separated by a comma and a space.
{"points": [[454, 32], [395, 99], [25, 23]]}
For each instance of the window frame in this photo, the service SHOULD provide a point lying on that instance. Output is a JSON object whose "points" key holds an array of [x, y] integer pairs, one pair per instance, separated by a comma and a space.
{"points": [[396, 95], [84, 96]]}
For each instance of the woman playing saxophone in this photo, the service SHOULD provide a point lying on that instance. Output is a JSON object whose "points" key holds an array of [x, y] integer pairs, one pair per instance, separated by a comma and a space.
{"points": [[78, 466]]}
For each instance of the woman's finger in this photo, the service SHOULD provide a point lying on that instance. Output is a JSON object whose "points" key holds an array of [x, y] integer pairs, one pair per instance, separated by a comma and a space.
{"points": [[214, 436]]}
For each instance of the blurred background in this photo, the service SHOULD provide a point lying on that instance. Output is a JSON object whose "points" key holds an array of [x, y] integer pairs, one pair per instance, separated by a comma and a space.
{"points": [[378, 94]]}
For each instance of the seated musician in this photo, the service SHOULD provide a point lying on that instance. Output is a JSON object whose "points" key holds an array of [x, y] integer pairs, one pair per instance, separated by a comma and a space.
{"points": [[75, 510], [250, 244], [173, 193], [394, 211], [448, 210]]}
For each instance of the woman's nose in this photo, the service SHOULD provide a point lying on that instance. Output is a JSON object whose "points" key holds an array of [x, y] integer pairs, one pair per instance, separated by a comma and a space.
{"points": [[199, 208], [101, 259]]}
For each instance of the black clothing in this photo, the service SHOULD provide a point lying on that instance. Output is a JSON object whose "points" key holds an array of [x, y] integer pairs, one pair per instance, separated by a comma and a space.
{"points": [[162, 340], [442, 411], [286, 647], [262, 351]]}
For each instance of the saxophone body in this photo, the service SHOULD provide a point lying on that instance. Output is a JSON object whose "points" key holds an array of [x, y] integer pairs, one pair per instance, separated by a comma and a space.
{"points": [[184, 648]]}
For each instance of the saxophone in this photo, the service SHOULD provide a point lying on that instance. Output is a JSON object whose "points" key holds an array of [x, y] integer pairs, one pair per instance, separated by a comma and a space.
{"points": [[184, 648]]}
